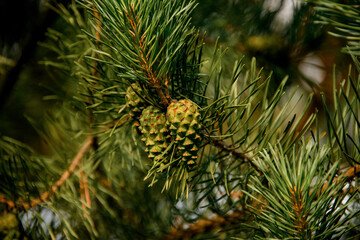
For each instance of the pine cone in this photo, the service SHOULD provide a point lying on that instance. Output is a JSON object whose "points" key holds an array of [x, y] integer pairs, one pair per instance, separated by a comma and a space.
{"points": [[154, 131], [183, 120], [133, 101]]}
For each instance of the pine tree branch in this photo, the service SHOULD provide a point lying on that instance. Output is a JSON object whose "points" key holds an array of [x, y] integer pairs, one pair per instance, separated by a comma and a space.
{"points": [[146, 66], [189, 231], [229, 148], [84, 191], [349, 175], [83, 182], [98, 24], [44, 196], [298, 207]]}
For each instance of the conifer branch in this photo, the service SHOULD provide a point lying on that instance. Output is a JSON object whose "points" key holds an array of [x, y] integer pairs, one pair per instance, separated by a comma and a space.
{"points": [[229, 148], [83, 182], [298, 207], [84, 191], [44, 196], [349, 175], [98, 24], [146, 66], [205, 225]]}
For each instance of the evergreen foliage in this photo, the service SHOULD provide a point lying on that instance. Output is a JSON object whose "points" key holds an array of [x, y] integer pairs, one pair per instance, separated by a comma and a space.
{"points": [[344, 18], [158, 134]]}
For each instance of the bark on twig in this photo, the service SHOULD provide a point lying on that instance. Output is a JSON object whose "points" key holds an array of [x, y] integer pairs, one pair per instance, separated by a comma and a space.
{"points": [[146, 65], [228, 148], [349, 175], [202, 226], [44, 196]]}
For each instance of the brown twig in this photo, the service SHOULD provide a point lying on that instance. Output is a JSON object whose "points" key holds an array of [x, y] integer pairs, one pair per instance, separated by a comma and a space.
{"points": [[83, 181], [98, 24], [146, 66], [98, 37], [349, 175], [201, 226], [84, 191], [229, 148], [44, 196], [298, 206]]}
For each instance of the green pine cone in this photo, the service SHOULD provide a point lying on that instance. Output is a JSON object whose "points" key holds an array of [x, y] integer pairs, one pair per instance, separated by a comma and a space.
{"points": [[183, 120], [135, 103], [154, 132]]}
